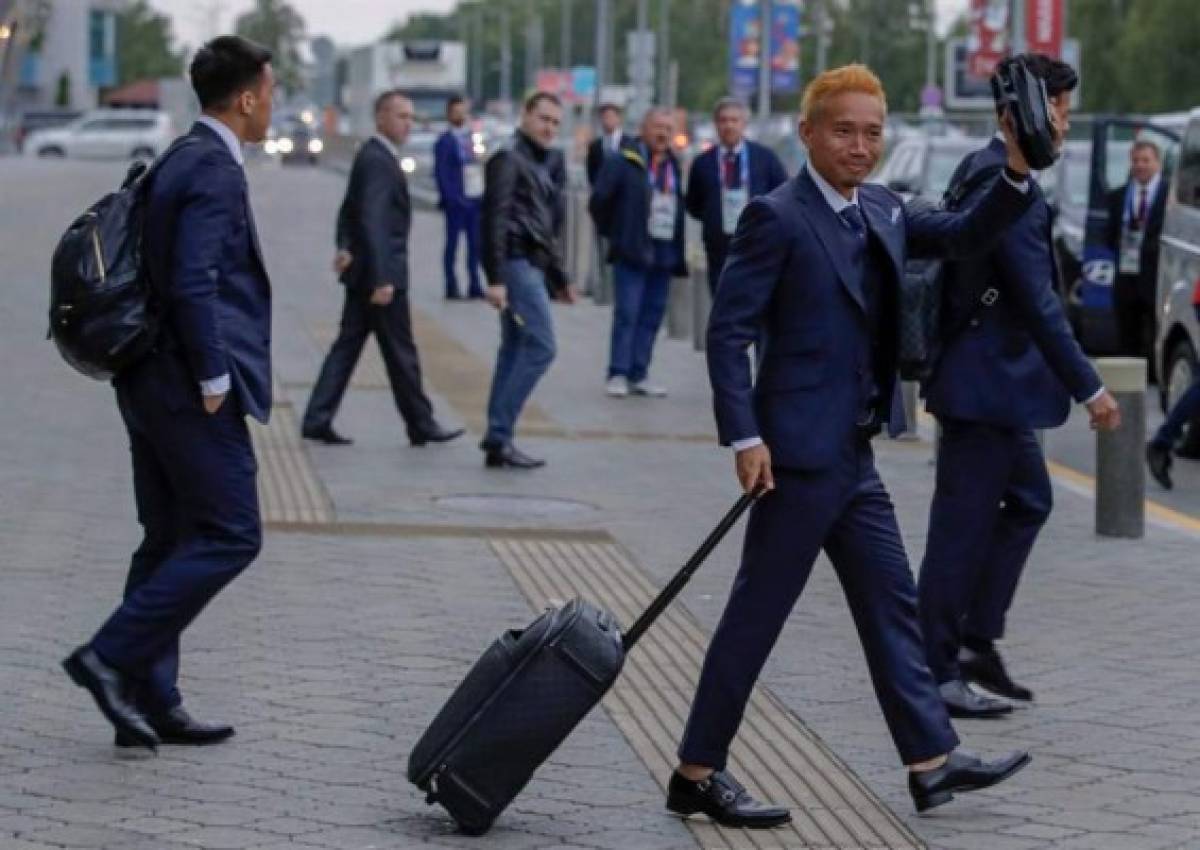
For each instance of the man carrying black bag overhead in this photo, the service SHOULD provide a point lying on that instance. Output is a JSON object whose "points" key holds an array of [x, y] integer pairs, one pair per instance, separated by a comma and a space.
{"points": [[1009, 365]]}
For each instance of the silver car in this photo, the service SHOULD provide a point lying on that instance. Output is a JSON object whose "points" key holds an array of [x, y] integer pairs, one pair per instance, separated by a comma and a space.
{"points": [[1178, 339]]}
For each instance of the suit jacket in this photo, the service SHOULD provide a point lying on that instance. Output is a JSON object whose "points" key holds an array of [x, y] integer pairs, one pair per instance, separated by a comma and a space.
{"points": [[596, 154], [704, 188], [785, 276], [374, 220], [202, 252], [620, 206], [448, 161], [1118, 200], [1018, 364]]}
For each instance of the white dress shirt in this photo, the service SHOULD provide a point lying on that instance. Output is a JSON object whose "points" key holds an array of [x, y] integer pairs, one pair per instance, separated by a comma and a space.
{"points": [[219, 385]]}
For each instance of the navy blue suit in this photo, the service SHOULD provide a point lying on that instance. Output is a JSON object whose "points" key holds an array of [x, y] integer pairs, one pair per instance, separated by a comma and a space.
{"points": [[194, 473], [1013, 369], [450, 155], [765, 172], [825, 294]]}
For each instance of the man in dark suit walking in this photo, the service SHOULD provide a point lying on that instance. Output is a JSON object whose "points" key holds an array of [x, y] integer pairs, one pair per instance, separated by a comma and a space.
{"points": [[725, 177], [458, 172], [1011, 367], [814, 270], [1135, 220], [184, 405], [372, 237]]}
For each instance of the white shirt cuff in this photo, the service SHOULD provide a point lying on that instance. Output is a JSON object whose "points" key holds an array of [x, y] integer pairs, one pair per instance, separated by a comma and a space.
{"points": [[215, 386], [748, 443], [1097, 394], [1022, 186]]}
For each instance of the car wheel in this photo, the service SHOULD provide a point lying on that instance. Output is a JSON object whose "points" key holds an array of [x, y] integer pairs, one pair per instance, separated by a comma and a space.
{"points": [[142, 153], [1181, 371], [52, 152]]}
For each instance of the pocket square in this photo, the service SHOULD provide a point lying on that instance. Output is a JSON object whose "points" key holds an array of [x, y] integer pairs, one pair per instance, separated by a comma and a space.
{"points": [[895, 214]]}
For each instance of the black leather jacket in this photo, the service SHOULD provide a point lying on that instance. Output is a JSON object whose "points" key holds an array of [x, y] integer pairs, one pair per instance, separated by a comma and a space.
{"points": [[523, 208]]}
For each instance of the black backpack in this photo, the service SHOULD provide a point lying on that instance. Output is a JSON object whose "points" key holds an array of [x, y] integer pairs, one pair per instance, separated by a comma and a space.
{"points": [[922, 335], [104, 316]]}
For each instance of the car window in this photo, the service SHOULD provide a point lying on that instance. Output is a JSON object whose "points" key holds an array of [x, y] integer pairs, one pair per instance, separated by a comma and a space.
{"points": [[97, 125], [133, 123], [1188, 186], [942, 165]]}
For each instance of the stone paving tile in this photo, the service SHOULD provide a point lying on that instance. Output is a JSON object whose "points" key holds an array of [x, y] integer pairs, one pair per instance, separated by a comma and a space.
{"points": [[331, 653]]}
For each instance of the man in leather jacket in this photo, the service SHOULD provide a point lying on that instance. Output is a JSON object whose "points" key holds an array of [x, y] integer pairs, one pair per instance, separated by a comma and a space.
{"points": [[522, 215]]}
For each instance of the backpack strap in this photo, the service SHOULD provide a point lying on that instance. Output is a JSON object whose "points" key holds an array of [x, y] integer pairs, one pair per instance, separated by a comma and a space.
{"points": [[961, 186]]}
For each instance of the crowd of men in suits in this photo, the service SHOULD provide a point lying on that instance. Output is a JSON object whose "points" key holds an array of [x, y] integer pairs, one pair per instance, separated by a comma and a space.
{"points": [[804, 270]]}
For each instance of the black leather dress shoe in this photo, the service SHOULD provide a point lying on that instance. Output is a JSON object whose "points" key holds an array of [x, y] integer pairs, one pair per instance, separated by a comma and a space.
{"points": [[723, 799], [1158, 457], [961, 772], [509, 456], [963, 702], [326, 435], [178, 727], [436, 434], [987, 670], [109, 688]]}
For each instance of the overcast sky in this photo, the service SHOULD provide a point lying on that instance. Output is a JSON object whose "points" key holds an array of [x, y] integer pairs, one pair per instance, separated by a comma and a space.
{"points": [[346, 21]]}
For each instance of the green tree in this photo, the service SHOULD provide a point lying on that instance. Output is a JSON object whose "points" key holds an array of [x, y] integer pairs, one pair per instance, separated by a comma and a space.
{"points": [[145, 45], [890, 37], [62, 94], [1156, 56], [278, 26]]}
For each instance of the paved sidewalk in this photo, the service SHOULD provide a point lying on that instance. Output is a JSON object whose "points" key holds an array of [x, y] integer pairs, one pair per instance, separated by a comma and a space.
{"points": [[332, 652]]}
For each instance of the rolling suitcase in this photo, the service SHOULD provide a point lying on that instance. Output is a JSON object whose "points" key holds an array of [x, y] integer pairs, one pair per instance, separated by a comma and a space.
{"points": [[525, 695]]}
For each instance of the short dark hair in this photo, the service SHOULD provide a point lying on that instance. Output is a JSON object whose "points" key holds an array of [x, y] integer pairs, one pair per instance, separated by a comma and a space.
{"points": [[1057, 74], [531, 102], [381, 99], [225, 66], [608, 106], [455, 100], [1146, 144]]}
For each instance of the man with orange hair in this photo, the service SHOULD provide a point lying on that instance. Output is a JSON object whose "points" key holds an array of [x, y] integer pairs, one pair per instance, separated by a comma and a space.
{"points": [[814, 267]]}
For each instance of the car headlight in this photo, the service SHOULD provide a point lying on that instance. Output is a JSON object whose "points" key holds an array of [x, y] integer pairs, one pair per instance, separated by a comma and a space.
{"points": [[271, 146], [286, 146], [315, 146], [408, 164]]}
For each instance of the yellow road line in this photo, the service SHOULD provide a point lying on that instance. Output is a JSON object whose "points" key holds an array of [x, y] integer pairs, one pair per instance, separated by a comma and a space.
{"points": [[1154, 510]]}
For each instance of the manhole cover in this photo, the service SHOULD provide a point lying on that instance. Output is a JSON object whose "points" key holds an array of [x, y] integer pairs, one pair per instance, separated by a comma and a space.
{"points": [[512, 505]]}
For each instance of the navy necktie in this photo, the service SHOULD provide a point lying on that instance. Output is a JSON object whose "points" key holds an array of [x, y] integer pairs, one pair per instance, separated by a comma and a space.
{"points": [[853, 219]]}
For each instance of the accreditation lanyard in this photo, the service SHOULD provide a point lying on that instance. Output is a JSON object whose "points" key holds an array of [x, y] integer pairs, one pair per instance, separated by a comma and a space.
{"points": [[743, 167], [661, 223]]}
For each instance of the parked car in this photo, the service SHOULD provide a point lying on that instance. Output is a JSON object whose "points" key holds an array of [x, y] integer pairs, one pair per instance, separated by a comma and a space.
{"points": [[921, 166], [32, 120], [1177, 345], [106, 134]]}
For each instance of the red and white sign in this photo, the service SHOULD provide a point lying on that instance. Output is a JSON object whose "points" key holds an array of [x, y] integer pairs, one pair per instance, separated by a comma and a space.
{"points": [[1044, 26], [987, 40]]}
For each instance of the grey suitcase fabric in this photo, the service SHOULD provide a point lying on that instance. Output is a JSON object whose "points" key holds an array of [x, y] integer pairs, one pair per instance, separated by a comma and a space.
{"points": [[525, 695]]}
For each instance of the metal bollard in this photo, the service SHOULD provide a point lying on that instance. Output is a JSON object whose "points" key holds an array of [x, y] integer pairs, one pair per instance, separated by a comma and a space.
{"points": [[909, 391], [701, 304], [679, 308], [1120, 469]]}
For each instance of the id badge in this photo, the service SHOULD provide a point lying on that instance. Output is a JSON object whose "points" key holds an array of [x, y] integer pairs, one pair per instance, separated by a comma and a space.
{"points": [[662, 216], [733, 201], [1131, 252], [473, 180]]}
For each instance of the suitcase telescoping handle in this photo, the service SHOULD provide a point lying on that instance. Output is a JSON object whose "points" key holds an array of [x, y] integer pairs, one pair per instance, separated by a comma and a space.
{"points": [[682, 577]]}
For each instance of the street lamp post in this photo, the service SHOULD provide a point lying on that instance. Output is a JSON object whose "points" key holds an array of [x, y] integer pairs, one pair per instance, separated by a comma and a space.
{"points": [[764, 63]]}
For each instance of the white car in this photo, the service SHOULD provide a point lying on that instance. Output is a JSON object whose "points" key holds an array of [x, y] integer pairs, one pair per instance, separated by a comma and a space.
{"points": [[106, 134]]}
